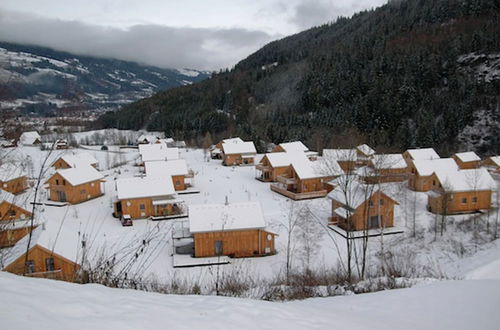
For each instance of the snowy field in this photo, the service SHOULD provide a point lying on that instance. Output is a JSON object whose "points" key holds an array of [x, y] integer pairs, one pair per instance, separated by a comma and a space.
{"points": [[468, 304], [454, 255]]}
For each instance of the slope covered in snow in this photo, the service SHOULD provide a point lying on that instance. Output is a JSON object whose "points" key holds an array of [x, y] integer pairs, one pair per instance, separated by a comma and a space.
{"points": [[28, 303]]}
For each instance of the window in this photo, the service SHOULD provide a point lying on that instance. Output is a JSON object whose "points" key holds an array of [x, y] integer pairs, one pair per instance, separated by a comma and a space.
{"points": [[370, 203], [464, 200], [83, 192], [142, 206], [433, 182], [30, 266], [373, 222], [49, 264], [64, 182], [474, 200], [177, 183], [57, 181], [218, 248], [12, 213], [381, 202]]}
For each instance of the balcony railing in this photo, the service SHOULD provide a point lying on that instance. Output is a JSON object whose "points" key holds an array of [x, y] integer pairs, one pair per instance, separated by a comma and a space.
{"points": [[298, 196], [263, 168], [286, 180]]}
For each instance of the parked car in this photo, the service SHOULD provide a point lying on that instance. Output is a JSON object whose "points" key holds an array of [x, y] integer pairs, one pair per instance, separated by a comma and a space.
{"points": [[126, 220]]}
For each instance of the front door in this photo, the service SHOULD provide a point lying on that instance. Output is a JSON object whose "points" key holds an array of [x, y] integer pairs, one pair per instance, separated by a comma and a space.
{"points": [[61, 196]]}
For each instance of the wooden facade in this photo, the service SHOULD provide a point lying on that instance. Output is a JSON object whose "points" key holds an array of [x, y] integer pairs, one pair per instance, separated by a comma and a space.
{"points": [[60, 190], [142, 208], [492, 164], [15, 186], [9, 237], [236, 243], [292, 186], [268, 172], [44, 263], [237, 159], [9, 213], [376, 212], [179, 182]]}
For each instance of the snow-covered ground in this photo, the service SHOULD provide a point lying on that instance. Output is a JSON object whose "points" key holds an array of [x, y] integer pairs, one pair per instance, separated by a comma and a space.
{"points": [[29, 303], [454, 255]]}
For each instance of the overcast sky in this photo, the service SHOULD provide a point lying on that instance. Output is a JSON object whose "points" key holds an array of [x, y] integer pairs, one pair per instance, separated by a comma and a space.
{"points": [[197, 34]]}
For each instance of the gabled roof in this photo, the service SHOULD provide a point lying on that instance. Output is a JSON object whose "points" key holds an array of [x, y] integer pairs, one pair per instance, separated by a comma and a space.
{"points": [[351, 192], [29, 137], [422, 154], [469, 156], [340, 154], [296, 146], [232, 148], [306, 169], [144, 187], [388, 161], [366, 150], [166, 168], [61, 241], [10, 171], [495, 160], [233, 140], [21, 200], [466, 180], [278, 159], [80, 175], [158, 151], [82, 159], [426, 167], [222, 217], [149, 137]]}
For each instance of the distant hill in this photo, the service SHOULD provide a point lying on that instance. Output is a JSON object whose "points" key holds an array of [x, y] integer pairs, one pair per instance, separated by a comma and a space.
{"points": [[45, 81], [409, 73]]}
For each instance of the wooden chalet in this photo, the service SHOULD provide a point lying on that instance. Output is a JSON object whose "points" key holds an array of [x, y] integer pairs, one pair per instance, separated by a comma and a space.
{"points": [[346, 158], [52, 254], [357, 206], [385, 168], [177, 169], [157, 152], [461, 191], [492, 164], [231, 229], [82, 159], [363, 154], [75, 185], [305, 179], [420, 176], [14, 218], [13, 178], [238, 152], [272, 165], [30, 139], [148, 197], [296, 146], [467, 160]]}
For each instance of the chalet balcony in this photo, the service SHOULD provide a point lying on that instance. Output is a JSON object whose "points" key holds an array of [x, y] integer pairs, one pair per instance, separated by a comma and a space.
{"points": [[54, 274], [286, 180], [280, 189], [263, 173]]}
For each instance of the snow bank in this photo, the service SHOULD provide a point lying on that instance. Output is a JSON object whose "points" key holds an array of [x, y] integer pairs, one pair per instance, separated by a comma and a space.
{"points": [[442, 305]]}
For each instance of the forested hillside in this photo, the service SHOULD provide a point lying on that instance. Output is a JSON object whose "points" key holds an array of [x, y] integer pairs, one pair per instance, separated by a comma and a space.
{"points": [[410, 73]]}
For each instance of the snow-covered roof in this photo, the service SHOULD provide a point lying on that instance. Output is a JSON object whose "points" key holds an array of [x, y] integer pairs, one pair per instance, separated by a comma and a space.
{"points": [[10, 171], [28, 138], [148, 137], [21, 200], [426, 167], [307, 169], [296, 146], [233, 140], [139, 187], [159, 151], [366, 149], [82, 159], [466, 180], [166, 168], [423, 154], [469, 156], [278, 159], [388, 161], [495, 160], [80, 175], [222, 217], [61, 241], [340, 154], [244, 147], [351, 192]]}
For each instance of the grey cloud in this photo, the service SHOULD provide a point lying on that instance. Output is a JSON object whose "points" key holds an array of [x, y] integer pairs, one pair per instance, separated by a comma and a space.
{"points": [[169, 47], [310, 13]]}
